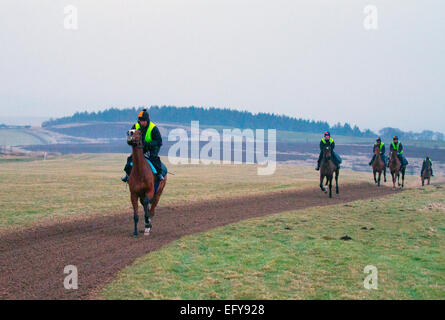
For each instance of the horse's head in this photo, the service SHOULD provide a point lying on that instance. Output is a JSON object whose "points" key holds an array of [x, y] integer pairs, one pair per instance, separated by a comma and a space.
{"points": [[327, 152], [393, 156], [376, 150], [134, 137]]}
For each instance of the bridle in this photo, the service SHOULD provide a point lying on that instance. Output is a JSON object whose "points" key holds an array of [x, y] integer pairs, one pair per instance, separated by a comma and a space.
{"points": [[130, 139]]}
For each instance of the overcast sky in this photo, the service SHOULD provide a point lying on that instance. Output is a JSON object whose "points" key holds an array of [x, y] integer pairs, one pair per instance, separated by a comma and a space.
{"points": [[308, 58]]}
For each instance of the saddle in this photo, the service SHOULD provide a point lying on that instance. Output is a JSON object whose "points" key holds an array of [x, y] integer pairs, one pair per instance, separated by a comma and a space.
{"points": [[153, 169]]}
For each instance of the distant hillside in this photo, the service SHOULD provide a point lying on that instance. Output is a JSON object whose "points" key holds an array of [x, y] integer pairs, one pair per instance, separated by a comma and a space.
{"points": [[213, 116]]}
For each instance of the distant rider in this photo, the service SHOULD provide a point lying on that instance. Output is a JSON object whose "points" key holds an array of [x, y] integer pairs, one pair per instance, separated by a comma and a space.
{"points": [[382, 148], [424, 165], [152, 143], [327, 140], [397, 145]]}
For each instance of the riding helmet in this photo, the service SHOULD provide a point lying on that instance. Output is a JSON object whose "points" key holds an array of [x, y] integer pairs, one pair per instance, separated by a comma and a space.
{"points": [[378, 139], [395, 138], [143, 116], [327, 133]]}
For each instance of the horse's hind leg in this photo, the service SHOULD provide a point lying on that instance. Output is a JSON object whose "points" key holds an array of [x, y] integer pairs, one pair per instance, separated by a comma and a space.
{"points": [[134, 202], [403, 178], [337, 173], [157, 197]]}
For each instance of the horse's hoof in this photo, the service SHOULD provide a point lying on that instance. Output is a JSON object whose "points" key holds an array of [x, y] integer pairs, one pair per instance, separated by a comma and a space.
{"points": [[135, 234], [147, 231]]}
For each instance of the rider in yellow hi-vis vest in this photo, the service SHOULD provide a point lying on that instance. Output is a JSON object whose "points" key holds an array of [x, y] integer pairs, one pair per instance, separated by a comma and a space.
{"points": [[152, 144], [397, 145], [328, 140], [382, 147]]}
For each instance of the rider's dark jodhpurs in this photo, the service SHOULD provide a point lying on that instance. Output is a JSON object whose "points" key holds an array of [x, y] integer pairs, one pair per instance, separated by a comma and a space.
{"points": [[335, 157], [402, 160], [385, 160], [154, 159]]}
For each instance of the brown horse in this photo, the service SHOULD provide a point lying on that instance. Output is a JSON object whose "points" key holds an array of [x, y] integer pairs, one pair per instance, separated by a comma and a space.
{"points": [[327, 169], [426, 174], [141, 183], [396, 168], [378, 166]]}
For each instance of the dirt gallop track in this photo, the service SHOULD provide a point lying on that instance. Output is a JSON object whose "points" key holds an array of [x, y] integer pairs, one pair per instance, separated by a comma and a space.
{"points": [[32, 261]]}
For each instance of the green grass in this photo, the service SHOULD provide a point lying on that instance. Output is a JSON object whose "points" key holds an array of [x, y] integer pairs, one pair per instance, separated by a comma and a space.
{"points": [[298, 255], [78, 186]]}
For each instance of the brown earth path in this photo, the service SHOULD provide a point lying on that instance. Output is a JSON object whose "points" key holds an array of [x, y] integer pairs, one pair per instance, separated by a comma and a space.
{"points": [[32, 261]]}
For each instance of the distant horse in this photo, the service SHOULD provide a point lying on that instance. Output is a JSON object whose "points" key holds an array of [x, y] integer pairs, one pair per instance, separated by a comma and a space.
{"points": [[142, 182], [378, 166], [426, 174], [327, 169], [396, 168]]}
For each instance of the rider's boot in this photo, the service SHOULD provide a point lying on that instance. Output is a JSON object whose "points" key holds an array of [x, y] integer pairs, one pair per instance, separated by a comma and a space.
{"points": [[160, 176], [125, 178], [318, 167]]}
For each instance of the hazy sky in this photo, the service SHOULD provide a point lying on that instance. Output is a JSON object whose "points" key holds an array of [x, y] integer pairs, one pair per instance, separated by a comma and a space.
{"points": [[309, 58]]}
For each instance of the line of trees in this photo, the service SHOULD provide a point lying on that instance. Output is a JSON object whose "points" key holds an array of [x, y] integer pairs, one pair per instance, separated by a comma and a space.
{"points": [[213, 116], [424, 135]]}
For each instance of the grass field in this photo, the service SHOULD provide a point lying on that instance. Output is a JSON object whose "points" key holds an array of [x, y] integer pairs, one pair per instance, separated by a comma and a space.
{"points": [[15, 137], [299, 255], [83, 185]]}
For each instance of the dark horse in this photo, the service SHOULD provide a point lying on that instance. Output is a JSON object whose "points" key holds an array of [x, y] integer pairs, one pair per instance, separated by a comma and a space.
{"points": [[141, 183], [426, 174], [396, 168], [327, 169], [378, 166]]}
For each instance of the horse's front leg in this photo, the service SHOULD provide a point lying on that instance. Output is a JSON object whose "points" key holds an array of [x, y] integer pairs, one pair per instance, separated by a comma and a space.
{"points": [[330, 186], [374, 173], [380, 177], [384, 174], [134, 202], [393, 176], [146, 203], [321, 183]]}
